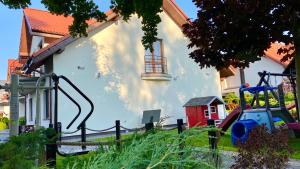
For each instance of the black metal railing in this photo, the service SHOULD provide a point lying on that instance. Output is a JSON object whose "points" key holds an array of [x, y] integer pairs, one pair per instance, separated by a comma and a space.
{"points": [[155, 64]]}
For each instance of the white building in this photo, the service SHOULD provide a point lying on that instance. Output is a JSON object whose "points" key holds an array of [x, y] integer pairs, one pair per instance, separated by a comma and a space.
{"points": [[112, 68], [4, 104], [271, 62]]}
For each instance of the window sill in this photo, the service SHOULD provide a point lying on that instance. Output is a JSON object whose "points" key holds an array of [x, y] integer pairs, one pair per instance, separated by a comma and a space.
{"points": [[156, 77]]}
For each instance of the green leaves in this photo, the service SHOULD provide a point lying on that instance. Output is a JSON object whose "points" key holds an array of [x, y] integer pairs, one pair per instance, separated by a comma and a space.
{"points": [[15, 4], [22, 151], [147, 10]]}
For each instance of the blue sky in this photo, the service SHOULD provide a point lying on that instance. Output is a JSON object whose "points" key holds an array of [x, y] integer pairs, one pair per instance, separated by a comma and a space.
{"points": [[11, 19]]}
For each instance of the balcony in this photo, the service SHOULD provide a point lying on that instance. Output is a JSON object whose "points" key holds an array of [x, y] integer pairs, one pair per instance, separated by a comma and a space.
{"points": [[156, 68]]}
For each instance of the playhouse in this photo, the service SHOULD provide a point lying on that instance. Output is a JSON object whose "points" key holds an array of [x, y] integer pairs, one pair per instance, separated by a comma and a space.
{"points": [[199, 109]]}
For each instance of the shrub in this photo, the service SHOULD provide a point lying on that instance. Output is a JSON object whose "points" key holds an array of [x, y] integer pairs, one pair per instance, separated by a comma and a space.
{"points": [[231, 100], [23, 151], [154, 150], [22, 121], [264, 150], [3, 126], [289, 97], [5, 120]]}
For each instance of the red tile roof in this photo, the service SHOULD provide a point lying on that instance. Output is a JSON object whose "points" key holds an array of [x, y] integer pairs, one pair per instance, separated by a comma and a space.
{"points": [[45, 22], [13, 66], [272, 53], [169, 6]]}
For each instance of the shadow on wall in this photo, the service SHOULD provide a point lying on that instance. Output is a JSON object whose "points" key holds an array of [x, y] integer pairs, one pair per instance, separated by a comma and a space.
{"points": [[117, 55]]}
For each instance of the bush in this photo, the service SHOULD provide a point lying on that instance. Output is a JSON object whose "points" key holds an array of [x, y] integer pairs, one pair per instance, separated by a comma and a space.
{"points": [[23, 151], [154, 150], [3, 126], [264, 150], [289, 97], [22, 121], [5, 120], [232, 101]]}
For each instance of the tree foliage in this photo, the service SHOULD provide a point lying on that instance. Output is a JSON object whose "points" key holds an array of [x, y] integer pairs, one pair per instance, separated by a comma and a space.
{"points": [[84, 10], [237, 32]]}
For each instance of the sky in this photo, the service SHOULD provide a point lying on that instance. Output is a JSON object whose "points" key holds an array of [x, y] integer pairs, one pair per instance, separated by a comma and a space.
{"points": [[11, 20]]}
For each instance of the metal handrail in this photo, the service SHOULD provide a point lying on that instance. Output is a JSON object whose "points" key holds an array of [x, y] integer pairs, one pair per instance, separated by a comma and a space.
{"points": [[84, 96], [76, 103]]}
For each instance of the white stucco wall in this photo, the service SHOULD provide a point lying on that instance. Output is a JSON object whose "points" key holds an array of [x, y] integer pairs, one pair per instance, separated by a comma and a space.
{"points": [[265, 64], [6, 110], [231, 83], [21, 109], [251, 75], [116, 52]]}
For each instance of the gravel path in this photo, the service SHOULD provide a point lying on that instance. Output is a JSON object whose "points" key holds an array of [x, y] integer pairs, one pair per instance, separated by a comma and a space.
{"points": [[228, 161]]}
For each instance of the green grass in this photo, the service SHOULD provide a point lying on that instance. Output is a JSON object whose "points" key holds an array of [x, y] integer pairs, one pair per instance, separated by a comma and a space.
{"points": [[295, 145]]}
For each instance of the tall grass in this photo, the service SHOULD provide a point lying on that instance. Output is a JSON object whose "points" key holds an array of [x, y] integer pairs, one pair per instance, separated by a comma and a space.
{"points": [[158, 150]]}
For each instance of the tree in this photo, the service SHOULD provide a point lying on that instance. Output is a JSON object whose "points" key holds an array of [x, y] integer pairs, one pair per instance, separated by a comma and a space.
{"points": [[83, 10], [237, 32]]}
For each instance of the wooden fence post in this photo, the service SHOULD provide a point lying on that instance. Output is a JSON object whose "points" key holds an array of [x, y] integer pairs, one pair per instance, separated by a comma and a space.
{"points": [[83, 135], [212, 135], [180, 125], [149, 126], [51, 149], [118, 134], [14, 106]]}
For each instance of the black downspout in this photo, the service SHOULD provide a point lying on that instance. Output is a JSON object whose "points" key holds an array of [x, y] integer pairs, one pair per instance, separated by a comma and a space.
{"points": [[56, 81], [50, 106], [25, 110]]}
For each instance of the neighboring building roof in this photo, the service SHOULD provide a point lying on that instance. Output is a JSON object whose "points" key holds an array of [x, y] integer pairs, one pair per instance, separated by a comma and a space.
{"points": [[201, 101], [42, 23], [13, 66], [272, 53], [169, 6], [3, 94], [45, 22], [226, 72]]}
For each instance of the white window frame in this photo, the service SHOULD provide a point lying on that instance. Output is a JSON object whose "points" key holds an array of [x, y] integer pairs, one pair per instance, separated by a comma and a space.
{"points": [[154, 65], [206, 112], [213, 108], [30, 107], [46, 105]]}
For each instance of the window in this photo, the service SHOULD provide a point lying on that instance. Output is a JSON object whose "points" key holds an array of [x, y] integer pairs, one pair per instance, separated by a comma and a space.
{"points": [[154, 61], [213, 109], [30, 110], [46, 105], [206, 113]]}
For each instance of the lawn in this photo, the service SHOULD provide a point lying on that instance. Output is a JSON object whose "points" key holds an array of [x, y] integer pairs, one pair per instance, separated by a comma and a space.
{"points": [[295, 145]]}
